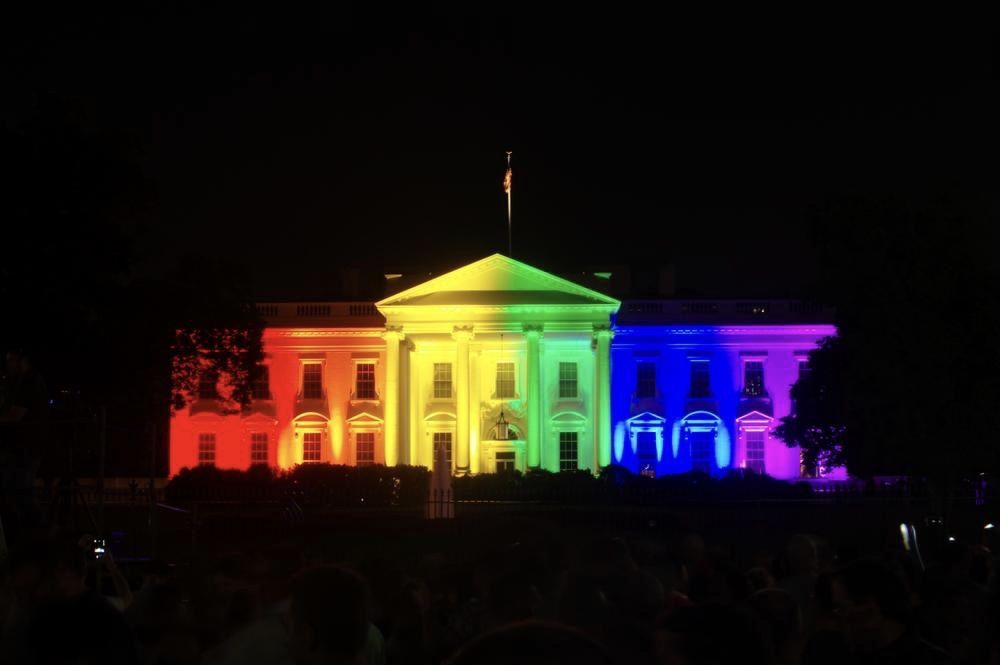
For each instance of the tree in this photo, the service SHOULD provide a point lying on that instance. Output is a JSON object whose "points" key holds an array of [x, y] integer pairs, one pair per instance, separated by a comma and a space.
{"points": [[912, 374], [103, 330], [817, 425]]}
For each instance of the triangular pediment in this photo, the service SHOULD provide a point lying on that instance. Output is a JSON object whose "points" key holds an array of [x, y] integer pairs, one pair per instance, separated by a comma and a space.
{"points": [[364, 418], [646, 418], [497, 280], [754, 416]]}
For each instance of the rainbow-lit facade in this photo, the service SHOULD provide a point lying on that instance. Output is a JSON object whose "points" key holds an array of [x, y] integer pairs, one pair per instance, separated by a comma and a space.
{"points": [[504, 366]]}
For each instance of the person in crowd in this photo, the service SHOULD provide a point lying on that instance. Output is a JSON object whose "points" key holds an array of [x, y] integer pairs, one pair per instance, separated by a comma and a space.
{"points": [[329, 619], [875, 606], [58, 619], [24, 438]]}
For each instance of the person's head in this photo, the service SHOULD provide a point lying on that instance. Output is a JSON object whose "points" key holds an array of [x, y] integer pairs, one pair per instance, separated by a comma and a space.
{"points": [[872, 601], [801, 556], [17, 360], [329, 615], [47, 567]]}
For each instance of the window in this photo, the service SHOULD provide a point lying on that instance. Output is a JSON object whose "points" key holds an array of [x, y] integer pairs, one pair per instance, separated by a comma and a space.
{"points": [[261, 385], [646, 453], [206, 449], [645, 380], [753, 378], [505, 380], [311, 446], [700, 385], [755, 451], [442, 380], [312, 381], [702, 445], [207, 388], [567, 380], [443, 440], [365, 448], [568, 451], [506, 461], [258, 448], [804, 369], [364, 387]]}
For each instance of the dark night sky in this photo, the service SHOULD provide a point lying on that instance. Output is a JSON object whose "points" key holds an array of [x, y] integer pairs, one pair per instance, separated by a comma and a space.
{"points": [[295, 140]]}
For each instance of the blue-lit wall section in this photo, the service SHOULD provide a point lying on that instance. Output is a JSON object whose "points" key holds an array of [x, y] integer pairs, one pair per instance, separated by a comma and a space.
{"points": [[706, 397]]}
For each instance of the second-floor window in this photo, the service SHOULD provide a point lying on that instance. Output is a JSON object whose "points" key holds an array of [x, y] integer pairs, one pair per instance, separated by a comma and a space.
{"points": [[804, 369], [645, 384], [753, 378], [261, 385], [700, 385], [567, 380], [207, 385], [442, 380], [505, 380], [364, 384], [312, 381]]}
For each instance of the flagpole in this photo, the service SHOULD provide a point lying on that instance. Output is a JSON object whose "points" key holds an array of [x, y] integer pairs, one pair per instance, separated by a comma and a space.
{"points": [[508, 182]]}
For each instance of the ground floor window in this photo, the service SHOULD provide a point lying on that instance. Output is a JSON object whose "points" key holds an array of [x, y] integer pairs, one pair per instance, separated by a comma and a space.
{"points": [[443, 440], [702, 445], [258, 448], [755, 451], [568, 451], [206, 449], [311, 447], [646, 453], [365, 448]]}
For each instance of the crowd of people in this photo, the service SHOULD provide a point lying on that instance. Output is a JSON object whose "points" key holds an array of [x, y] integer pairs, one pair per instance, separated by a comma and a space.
{"points": [[596, 597], [599, 598]]}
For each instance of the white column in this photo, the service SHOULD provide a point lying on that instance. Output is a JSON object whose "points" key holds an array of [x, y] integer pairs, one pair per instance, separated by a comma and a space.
{"points": [[392, 336], [462, 335], [475, 447], [534, 336], [602, 423]]}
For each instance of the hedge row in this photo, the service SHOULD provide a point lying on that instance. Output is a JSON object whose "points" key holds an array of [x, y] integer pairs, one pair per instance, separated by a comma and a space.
{"points": [[382, 486]]}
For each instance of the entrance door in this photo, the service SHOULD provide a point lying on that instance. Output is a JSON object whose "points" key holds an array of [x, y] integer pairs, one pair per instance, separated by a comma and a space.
{"points": [[645, 452], [702, 444]]}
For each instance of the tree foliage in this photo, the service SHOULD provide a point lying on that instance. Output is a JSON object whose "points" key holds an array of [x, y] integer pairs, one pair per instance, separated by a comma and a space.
{"points": [[912, 375], [817, 423], [99, 323]]}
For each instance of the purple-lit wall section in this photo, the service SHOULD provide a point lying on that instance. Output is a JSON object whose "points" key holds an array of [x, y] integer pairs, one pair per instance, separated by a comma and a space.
{"points": [[724, 422]]}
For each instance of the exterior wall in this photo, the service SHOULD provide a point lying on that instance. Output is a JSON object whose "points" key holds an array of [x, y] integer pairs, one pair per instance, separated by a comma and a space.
{"points": [[497, 310], [287, 416], [679, 421]]}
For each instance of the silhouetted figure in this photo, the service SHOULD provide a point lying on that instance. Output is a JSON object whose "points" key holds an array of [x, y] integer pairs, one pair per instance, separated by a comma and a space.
{"points": [[57, 618], [330, 619], [874, 605], [24, 423]]}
